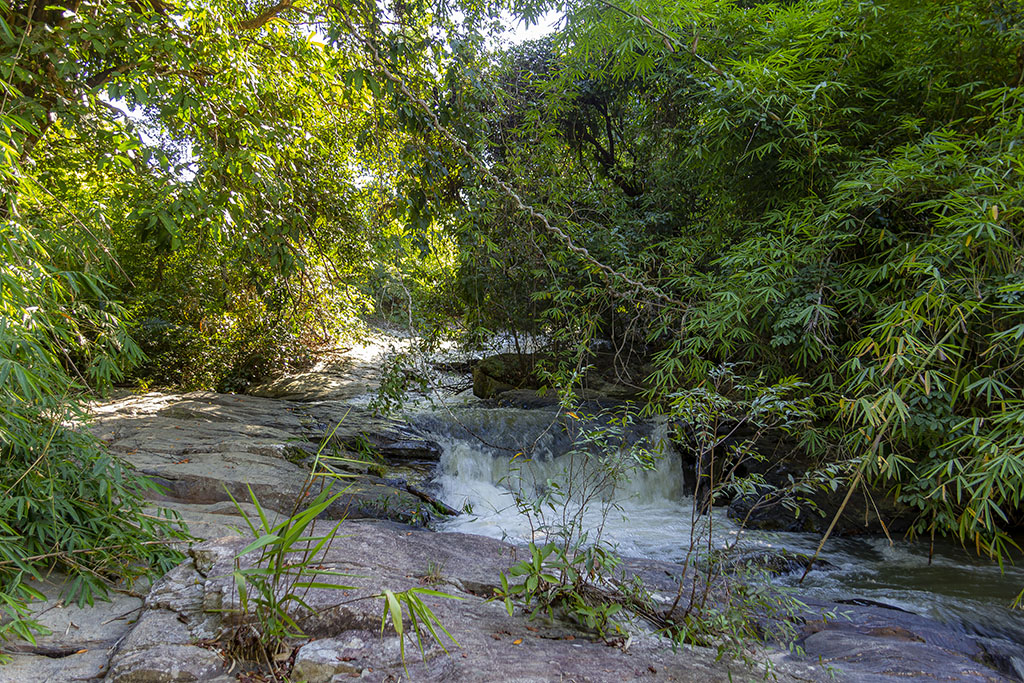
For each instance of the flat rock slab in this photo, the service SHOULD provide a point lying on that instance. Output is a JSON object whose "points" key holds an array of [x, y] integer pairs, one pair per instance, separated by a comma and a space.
{"points": [[356, 428], [86, 666], [80, 641], [204, 448], [344, 624], [334, 378]]}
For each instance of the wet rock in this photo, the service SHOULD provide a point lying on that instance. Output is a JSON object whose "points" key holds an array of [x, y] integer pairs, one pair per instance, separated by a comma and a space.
{"points": [[777, 562], [862, 642], [194, 603], [196, 442], [1003, 656], [504, 372], [527, 399], [607, 378], [867, 512], [870, 641], [789, 499], [868, 658], [876, 619]]}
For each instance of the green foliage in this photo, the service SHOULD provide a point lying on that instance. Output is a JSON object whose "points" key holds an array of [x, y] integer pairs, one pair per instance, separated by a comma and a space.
{"points": [[17, 623], [830, 190], [274, 584], [720, 602], [552, 580], [399, 604], [66, 503], [721, 422], [212, 158], [826, 189], [177, 207], [568, 575]]}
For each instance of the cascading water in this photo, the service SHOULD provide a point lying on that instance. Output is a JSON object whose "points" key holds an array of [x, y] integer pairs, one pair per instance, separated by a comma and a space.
{"points": [[494, 455]]}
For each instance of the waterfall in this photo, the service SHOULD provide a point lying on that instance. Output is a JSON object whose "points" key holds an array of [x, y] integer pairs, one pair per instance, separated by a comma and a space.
{"points": [[497, 461], [500, 462]]}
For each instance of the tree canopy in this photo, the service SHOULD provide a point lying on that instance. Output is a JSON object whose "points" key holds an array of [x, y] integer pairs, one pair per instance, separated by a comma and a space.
{"points": [[196, 192]]}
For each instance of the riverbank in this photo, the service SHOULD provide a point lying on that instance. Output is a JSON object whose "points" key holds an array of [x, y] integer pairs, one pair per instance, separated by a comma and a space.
{"points": [[200, 446]]}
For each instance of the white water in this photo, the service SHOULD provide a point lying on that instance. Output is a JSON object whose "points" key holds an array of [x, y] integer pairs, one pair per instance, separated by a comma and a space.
{"points": [[644, 514], [638, 518], [493, 455]]}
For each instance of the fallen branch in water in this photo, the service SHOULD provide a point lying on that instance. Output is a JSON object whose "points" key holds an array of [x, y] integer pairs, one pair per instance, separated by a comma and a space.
{"points": [[424, 496]]}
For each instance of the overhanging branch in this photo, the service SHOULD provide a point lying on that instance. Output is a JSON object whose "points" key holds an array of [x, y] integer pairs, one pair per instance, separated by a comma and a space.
{"points": [[261, 19]]}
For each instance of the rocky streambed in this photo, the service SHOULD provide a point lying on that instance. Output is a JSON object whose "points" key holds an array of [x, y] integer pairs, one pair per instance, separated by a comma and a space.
{"points": [[201, 446]]}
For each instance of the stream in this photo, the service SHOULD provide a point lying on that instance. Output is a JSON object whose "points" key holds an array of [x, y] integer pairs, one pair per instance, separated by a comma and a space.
{"points": [[493, 455]]}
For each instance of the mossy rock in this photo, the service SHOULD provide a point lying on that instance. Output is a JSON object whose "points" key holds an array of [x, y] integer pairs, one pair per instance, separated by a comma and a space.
{"points": [[503, 372]]}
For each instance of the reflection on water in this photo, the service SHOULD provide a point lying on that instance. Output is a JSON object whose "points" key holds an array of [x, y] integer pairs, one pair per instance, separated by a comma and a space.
{"points": [[491, 453]]}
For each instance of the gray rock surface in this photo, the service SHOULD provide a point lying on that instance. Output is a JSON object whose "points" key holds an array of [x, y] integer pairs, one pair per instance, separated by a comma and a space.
{"points": [[80, 639], [862, 643], [203, 446], [166, 664], [873, 642], [344, 624], [86, 666], [198, 443], [340, 376]]}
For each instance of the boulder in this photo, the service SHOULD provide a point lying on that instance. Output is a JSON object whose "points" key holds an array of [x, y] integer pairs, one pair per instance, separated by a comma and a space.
{"points": [[503, 372], [869, 511], [322, 660], [166, 664], [607, 377]]}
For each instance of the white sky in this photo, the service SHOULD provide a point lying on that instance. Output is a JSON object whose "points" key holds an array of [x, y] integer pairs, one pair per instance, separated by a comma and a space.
{"points": [[520, 33]]}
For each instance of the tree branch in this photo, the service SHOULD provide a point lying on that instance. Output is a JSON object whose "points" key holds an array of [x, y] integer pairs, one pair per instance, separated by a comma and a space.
{"points": [[261, 19], [658, 296]]}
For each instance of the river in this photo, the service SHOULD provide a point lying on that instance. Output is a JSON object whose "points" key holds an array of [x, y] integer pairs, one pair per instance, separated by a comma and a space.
{"points": [[499, 462]]}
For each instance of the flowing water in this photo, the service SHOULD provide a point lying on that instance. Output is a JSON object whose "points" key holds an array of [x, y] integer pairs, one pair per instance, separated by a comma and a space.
{"points": [[492, 456]]}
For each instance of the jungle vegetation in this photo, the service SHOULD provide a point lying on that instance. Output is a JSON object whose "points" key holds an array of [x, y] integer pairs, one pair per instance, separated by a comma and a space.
{"points": [[198, 192]]}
